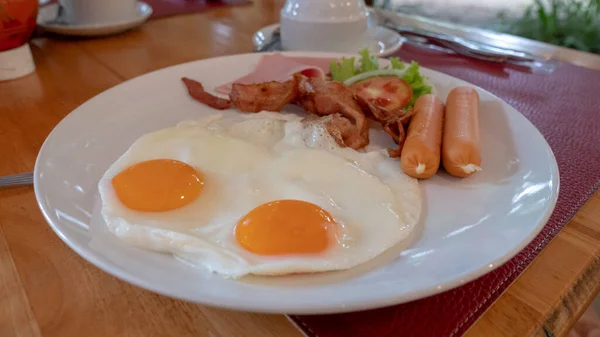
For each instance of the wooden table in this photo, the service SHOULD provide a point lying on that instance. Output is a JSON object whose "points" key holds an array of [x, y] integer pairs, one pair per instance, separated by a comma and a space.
{"points": [[48, 290]]}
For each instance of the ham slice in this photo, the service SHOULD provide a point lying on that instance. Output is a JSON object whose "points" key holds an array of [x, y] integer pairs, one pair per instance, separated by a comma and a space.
{"points": [[280, 68]]}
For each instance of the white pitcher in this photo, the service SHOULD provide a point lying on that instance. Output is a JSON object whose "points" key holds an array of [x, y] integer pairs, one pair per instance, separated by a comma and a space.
{"points": [[324, 25]]}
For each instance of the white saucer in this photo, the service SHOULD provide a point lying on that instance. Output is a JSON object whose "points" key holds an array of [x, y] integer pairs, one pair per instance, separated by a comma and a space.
{"points": [[47, 20], [385, 41]]}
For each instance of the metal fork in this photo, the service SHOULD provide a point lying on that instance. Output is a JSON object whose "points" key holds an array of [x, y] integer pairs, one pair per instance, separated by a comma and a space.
{"points": [[17, 180]]}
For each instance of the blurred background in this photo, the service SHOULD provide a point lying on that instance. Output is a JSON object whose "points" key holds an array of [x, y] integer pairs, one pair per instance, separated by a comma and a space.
{"points": [[567, 23]]}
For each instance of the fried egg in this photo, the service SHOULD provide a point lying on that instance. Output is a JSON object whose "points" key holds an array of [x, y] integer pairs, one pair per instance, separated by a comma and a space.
{"points": [[263, 194]]}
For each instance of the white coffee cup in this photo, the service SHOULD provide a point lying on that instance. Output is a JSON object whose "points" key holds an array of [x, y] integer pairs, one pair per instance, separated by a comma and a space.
{"points": [[325, 25], [98, 11]]}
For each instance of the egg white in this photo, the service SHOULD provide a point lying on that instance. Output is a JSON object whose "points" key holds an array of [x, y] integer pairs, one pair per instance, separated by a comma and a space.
{"points": [[251, 160]]}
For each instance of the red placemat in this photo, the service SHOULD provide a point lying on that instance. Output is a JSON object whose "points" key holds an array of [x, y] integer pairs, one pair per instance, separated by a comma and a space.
{"points": [[564, 107], [162, 8]]}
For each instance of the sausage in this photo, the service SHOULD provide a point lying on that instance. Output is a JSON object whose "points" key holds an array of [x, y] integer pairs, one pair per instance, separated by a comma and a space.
{"points": [[420, 156], [461, 151]]}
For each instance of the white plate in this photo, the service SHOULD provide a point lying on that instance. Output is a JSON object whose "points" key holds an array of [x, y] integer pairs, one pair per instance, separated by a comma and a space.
{"points": [[385, 41], [48, 21], [468, 226]]}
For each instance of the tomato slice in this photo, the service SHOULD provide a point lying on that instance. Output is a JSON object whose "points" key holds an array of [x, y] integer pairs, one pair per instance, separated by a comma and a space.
{"points": [[388, 93]]}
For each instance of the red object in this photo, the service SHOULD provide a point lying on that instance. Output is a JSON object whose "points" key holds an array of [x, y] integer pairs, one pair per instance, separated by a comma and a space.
{"points": [[163, 8], [563, 106], [17, 22], [387, 93]]}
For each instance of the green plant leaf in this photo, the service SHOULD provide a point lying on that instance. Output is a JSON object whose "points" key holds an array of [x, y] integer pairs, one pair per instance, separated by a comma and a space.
{"points": [[568, 23]]}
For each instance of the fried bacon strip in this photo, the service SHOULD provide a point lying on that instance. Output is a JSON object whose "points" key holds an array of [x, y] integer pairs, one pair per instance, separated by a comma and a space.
{"points": [[394, 121], [384, 116], [324, 98], [196, 90], [396, 130], [337, 126], [395, 125], [270, 96], [346, 121]]}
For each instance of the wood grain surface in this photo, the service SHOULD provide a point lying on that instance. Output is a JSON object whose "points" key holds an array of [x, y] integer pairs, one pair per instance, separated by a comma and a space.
{"points": [[48, 290], [555, 289]]}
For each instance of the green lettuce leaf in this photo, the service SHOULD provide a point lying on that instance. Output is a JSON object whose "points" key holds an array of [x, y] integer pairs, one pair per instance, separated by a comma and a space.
{"points": [[368, 62], [342, 70], [416, 81], [396, 63]]}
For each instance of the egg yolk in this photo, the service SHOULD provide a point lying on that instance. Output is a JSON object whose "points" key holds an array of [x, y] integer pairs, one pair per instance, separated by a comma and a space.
{"points": [[284, 227], [158, 185]]}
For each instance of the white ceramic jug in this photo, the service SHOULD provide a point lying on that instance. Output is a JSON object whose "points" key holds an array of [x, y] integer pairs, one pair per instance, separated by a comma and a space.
{"points": [[324, 25]]}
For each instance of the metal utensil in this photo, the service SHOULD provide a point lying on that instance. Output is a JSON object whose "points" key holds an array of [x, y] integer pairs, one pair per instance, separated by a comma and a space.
{"points": [[17, 180], [424, 43], [464, 44], [275, 38], [476, 50]]}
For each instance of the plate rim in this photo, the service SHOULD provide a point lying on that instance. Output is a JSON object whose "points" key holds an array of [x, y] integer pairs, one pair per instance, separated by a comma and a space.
{"points": [[128, 277]]}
